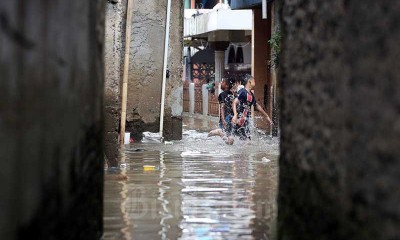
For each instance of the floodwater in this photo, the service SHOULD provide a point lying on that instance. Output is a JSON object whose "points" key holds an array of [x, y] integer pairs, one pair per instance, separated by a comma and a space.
{"points": [[196, 188]]}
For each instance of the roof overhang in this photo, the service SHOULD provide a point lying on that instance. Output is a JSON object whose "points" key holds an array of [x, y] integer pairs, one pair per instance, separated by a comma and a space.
{"points": [[217, 22]]}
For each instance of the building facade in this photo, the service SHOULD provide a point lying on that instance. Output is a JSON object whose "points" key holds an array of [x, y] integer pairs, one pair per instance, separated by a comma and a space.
{"points": [[145, 70], [238, 32]]}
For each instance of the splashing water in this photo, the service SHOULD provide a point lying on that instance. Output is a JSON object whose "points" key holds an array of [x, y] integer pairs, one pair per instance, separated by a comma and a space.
{"points": [[196, 188]]}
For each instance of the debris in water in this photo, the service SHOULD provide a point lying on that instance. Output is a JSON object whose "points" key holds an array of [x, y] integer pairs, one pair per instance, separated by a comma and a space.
{"points": [[265, 160], [149, 167], [138, 150], [151, 137]]}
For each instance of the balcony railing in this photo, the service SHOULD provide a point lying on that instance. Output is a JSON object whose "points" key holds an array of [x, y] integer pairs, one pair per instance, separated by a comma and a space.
{"points": [[216, 21]]}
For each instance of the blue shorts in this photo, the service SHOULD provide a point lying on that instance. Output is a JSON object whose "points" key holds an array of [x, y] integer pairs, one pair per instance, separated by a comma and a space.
{"points": [[228, 128]]}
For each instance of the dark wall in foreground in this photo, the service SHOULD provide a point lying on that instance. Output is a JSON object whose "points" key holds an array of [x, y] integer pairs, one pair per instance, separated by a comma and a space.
{"points": [[51, 81], [340, 146]]}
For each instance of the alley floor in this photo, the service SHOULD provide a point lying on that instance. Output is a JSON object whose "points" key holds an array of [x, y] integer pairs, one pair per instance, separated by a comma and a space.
{"points": [[196, 188]]}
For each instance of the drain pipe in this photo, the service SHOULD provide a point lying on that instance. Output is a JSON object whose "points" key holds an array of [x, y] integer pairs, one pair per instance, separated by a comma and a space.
{"points": [[126, 70], [166, 44]]}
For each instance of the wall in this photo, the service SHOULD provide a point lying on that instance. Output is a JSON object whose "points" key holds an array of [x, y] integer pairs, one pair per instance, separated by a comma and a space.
{"points": [[145, 68], [113, 58], [51, 71], [339, 165], [260, 58], [174, 88]]}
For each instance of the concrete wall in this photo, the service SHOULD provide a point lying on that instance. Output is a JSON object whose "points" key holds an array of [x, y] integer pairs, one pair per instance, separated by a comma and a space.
{"points": [[145, 69], [51, 71], [113, 59], [339, 166], [174, 89]]}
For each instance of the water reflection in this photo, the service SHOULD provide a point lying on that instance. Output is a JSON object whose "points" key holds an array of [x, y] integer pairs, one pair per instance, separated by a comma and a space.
{"points": [[197, 188]]}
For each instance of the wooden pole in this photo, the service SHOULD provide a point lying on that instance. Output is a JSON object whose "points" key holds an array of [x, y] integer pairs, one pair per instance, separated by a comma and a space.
{"points": [[126, 70]]}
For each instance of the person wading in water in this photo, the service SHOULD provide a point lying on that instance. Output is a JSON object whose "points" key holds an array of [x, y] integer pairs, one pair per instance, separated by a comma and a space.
{"points": [[225, 99], [242, 109]]}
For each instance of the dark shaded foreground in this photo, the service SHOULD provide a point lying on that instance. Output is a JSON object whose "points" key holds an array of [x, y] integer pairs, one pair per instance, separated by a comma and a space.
{"points": [[51, 81], [340, 154]]}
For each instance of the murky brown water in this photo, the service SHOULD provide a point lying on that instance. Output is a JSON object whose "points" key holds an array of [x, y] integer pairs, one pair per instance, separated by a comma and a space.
{"points": [[197, 188]]}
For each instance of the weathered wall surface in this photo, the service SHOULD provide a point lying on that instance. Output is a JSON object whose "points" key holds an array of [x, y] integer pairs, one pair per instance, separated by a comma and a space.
{"points": [[146, 64], [113, 60], [339, 166], [51, 71], [174, 88]]}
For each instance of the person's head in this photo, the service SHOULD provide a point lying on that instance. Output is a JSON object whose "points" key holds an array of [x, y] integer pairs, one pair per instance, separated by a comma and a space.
{"points": [[249, 81], [239, 84], [224, 84], [230, 82]]}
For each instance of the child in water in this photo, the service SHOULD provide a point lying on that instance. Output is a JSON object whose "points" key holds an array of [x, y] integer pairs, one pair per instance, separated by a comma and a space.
{"points": [[225, 99], [242, 109]]}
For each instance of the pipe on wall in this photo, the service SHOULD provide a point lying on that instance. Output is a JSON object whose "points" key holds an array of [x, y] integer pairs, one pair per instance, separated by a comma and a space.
{"points": [[166, 44]]}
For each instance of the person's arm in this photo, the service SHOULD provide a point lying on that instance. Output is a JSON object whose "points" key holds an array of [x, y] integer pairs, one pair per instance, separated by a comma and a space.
{"points": [[235, 114], [223, 114], [259, 108]]}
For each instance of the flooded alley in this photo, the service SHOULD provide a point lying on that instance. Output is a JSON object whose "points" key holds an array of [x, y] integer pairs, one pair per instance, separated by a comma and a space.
{"points": [[196, 188]]}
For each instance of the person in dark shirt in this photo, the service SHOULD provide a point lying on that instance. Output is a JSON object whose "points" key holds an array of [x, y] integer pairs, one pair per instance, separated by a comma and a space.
{"points": [[225, 99], [242, 109]]}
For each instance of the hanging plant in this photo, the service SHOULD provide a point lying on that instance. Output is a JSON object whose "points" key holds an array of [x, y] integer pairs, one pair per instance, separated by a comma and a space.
{"points": [[275, 44]]}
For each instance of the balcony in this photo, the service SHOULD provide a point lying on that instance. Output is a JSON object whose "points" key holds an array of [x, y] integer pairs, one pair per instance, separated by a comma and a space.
{"points": [[215, 24]]}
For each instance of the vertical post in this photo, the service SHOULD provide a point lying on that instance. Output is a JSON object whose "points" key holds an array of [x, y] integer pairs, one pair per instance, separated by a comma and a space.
{"points": [[204, 92], [264, 9], [253, 73], [274, 78], [126, 70], [189, 72], [166, 44], [219, 65], [191, 98], [253, 43]]}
